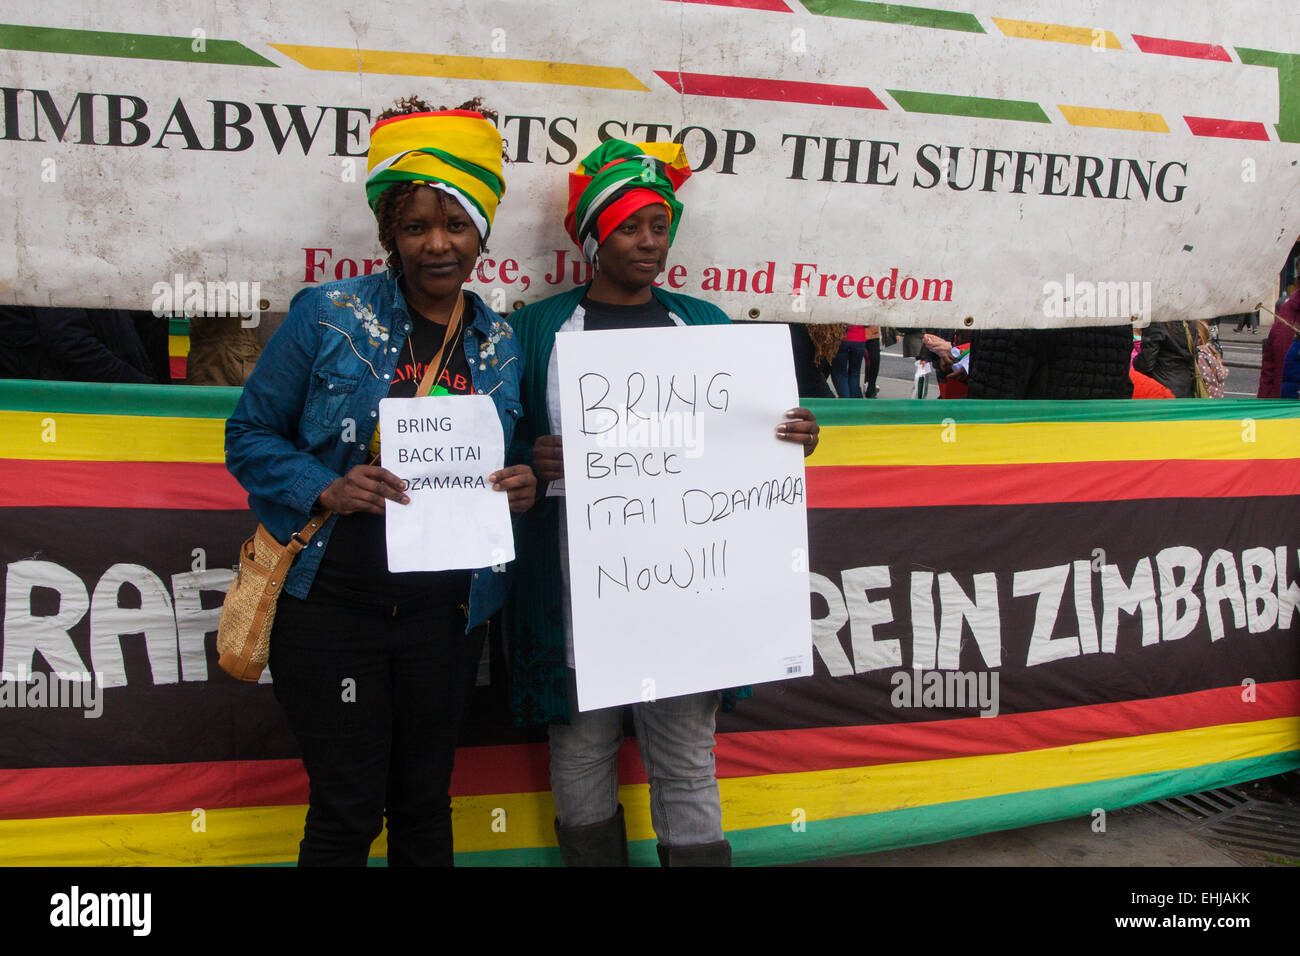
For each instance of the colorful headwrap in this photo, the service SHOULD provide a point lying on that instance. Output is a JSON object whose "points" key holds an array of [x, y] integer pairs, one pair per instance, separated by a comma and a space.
{"points": [[456, 151], [615, 180]]}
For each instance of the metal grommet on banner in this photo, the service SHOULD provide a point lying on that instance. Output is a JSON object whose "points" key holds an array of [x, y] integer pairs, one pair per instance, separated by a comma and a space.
{"points": [[968, 321], [753, 313]]}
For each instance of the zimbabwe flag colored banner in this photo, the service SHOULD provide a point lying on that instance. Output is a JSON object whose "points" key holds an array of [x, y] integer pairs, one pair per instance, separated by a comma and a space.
{"points": [[1021, 612]]}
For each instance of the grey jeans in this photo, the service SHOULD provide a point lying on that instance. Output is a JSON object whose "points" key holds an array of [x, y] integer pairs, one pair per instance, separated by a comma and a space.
{"points": [[675, 738]]}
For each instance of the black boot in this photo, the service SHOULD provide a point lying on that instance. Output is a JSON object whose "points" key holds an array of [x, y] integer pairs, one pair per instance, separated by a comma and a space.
{"points": [[705, 854], [597, 844]]}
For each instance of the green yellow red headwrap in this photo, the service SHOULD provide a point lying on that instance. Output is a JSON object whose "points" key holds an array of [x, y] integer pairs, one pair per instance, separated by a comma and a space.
{"points": [[457, 151], [615, 180]]}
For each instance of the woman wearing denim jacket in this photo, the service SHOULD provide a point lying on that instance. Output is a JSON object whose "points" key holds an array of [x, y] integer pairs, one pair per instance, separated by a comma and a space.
{"points": [[373, 668]]}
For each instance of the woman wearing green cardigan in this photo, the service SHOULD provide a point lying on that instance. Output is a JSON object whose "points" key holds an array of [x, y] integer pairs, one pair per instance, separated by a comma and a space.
{"points": [[623, 214]]}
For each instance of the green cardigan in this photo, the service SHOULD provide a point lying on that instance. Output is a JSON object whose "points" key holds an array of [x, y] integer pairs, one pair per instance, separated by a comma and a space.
{"points": [[539, 683]]}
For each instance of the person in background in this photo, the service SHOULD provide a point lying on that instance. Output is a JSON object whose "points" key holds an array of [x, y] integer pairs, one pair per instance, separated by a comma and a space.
{"points": [[846, 368], [1167, 356], [951, 362], [78, 345], [1209, 361], [826, 339], [810, 380], [1281, 335], [872, 342], [1071, 363], [1290, 387], [222, 351]]}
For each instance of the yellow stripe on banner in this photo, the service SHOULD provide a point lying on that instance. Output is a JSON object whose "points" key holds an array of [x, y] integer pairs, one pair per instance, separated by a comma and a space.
{"points": [[959, 443], [73, 437], [1114, 119], [234, 836], [512, 821], [350, 60], [829, 794], [1083, 36], [178, 346]]}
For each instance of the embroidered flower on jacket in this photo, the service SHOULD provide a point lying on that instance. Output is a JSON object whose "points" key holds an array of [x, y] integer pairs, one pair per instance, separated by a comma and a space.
{"points": [[487, 353], [364, 314]]}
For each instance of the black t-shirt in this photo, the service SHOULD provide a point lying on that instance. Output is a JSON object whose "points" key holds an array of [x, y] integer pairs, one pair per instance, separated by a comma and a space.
{"points": [[354, 569], [600, 316], [423, 342]]}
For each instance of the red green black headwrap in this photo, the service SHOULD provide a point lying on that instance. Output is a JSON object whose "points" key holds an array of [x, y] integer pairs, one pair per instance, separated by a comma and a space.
{"points": [[615, 180]]}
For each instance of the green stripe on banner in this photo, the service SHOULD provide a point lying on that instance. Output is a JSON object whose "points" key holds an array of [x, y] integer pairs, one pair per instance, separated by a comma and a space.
{"points": [[135, 46], [182, 401], [895, 13], [1288, 88], [94, 398], [178, 326], [980, 107], [915, 826], [832, 411]]}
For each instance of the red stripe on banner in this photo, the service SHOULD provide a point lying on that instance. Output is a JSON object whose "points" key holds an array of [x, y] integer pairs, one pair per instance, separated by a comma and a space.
{"points": [[776, 6], [176, 366], [909, 486], [826, 748], [1227, 129], [1197, 51], [523, 768], [779, 91], [167, 788], [150, 788], [191, 486]]}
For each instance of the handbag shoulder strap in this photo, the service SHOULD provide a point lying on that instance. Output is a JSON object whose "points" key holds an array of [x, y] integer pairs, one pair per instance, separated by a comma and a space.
{"points": [[433, 371]]}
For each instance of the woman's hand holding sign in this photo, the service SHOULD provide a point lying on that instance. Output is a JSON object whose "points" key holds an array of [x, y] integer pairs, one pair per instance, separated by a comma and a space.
{"points": [[548, 458], [519, 483], [803, 429]]}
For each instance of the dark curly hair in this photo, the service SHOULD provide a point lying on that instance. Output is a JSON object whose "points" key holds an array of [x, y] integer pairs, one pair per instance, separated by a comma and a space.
{"points": [[393, 202]]}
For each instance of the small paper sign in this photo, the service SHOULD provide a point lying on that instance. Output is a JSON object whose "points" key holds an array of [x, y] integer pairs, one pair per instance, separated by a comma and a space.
{"points": [[444, 448]]}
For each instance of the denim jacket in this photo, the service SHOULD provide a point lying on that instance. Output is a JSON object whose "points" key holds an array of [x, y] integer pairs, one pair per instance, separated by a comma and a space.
{"points": [[311, 406]]}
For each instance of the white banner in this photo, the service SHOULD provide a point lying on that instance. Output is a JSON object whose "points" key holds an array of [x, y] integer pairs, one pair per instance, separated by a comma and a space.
{"points": [[444, 447], [965, 162], [687, 518]]}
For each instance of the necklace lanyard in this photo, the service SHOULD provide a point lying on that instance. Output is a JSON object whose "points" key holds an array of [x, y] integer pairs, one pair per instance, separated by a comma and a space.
{"points": [[433, 371]]}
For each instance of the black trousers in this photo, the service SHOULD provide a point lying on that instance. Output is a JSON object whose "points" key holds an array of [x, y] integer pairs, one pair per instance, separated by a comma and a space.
{"points": [[873, 367], [375, 701]]}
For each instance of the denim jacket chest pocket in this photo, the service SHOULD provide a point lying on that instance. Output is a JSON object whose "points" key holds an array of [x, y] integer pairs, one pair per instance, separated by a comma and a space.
{"points": [[344, 366], [329, 393]]}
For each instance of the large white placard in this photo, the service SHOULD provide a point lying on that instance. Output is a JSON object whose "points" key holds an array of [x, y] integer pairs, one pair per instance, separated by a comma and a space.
{"points": [[444, 447], [686, 516]]}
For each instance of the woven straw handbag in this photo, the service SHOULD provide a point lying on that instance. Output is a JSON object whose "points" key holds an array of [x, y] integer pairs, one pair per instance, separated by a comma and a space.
{"points": [[247, 614]]}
